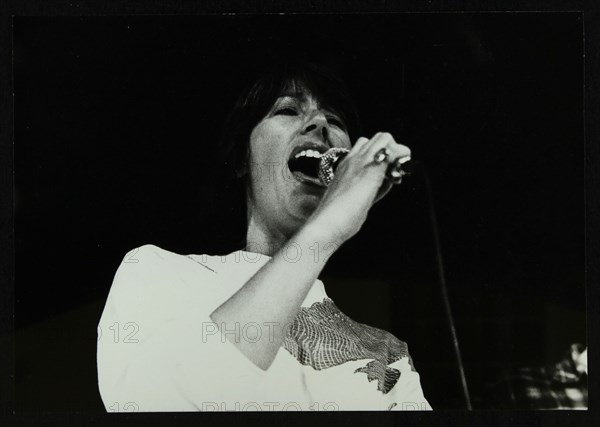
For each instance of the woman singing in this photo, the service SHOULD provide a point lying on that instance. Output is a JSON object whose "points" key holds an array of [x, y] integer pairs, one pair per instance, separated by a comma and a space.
{"points": [[255, 329]]}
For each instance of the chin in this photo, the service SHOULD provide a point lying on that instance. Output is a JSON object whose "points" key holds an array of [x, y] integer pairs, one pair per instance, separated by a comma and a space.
{"points": [[307, 205], [302, 211]]}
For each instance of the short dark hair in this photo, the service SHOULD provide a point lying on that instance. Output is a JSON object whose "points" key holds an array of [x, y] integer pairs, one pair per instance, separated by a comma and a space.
{"points": [[255, 102]]}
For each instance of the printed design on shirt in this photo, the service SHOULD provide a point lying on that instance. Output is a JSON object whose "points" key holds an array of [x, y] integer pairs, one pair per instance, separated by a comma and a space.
{"points": [[322, 337]]}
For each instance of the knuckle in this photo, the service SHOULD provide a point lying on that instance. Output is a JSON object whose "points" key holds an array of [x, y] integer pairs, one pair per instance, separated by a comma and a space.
{"points": [[389, 139]]}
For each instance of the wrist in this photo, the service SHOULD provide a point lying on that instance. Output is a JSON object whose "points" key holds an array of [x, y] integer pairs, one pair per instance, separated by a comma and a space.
{"points": [[322, 233]]}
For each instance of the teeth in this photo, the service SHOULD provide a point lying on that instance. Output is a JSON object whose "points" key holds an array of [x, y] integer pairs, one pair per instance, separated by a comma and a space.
{"points": [[308, 153]]}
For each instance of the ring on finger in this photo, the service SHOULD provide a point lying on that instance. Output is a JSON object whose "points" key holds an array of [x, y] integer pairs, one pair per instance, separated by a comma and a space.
{"points": [[381, 155]]}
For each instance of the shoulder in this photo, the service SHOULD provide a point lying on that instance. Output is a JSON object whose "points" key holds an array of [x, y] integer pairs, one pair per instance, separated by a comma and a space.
{"points": [[141, 262], [147, 253], [152, 256], [151, 282], [150, 266]]}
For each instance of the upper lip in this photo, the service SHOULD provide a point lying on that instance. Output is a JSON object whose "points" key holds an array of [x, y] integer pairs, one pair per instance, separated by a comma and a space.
{"points": [[310, 145]]}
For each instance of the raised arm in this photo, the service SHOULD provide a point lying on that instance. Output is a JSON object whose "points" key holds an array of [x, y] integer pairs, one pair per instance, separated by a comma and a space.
{"points": [[272, 297]]}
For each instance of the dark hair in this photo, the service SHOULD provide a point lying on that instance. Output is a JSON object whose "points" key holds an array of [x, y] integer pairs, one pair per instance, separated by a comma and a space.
{"points": [[255, 102]]}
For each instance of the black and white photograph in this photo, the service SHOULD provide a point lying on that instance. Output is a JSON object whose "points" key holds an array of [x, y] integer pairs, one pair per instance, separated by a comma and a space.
{"points": [[306, 212]]}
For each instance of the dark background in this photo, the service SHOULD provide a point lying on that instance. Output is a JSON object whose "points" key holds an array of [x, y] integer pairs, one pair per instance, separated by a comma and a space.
{"points": [[116, 119]]}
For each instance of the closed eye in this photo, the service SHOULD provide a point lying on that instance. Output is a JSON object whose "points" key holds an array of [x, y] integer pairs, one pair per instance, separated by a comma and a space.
{"points": [[336, 122], [286, 111]]}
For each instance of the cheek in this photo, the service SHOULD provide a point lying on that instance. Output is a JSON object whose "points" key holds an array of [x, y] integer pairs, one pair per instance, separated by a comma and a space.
{"points": [[263, 141], [267, 148], [263, 156], [345, 139]]}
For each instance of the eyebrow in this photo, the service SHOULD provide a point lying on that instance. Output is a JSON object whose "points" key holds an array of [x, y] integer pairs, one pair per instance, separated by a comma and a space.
{"points": [[303, 96], [298, 95]]}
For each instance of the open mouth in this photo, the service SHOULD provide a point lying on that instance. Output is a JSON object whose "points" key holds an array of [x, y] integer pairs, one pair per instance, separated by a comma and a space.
{"points": [[304, 165]]}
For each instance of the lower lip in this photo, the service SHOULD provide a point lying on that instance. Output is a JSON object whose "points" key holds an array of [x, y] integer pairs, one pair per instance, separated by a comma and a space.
{"points": [[301, 178]]}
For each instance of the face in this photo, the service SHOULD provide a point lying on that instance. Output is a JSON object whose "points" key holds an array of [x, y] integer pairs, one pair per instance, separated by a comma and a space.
{"points": [[283, 193]]}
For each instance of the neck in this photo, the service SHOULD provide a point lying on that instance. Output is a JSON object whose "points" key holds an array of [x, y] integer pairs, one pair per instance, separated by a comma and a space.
{"points": [[261, 239]]}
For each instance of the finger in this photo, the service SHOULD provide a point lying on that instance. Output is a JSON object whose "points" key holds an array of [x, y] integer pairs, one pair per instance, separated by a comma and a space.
{"points": [[385, 143], [401, 152], [365, 147], [360, 142], [380, 149]]}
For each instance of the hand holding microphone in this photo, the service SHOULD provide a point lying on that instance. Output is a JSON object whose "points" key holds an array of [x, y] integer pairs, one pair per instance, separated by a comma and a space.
{"points": [[355, 180], [332, 157]]}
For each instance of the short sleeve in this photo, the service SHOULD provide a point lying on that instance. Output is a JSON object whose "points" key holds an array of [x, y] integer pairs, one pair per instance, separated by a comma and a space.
{"points": [[158, 349]]}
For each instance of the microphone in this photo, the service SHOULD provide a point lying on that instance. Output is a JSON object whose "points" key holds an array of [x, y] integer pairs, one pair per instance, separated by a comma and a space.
{"points": [[333, 157]]}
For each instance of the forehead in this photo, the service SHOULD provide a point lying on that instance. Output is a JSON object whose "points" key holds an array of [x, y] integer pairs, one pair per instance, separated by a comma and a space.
{"points": [[297, 91]]}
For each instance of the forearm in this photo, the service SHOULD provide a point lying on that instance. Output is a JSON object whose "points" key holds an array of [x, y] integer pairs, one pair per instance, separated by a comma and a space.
{"points": [[272, 297]]}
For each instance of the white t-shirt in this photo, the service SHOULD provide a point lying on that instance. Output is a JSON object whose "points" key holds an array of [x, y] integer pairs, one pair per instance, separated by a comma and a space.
{"points": [[158, 349]]}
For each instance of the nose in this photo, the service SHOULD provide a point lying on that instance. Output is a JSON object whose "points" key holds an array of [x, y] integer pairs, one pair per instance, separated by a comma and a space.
{"points": [[317, 125]]}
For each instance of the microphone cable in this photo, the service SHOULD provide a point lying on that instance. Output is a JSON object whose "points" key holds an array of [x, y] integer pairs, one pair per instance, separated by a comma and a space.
{"points": [[332, 159], [442, 282]]}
